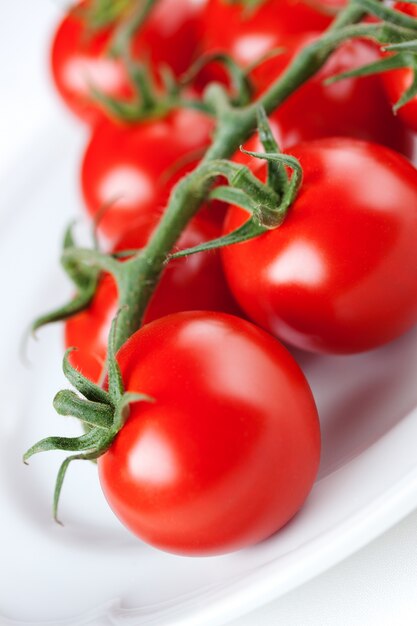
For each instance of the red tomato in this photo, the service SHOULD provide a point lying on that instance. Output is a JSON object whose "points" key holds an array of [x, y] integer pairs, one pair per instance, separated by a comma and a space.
{"points": [[339, 276], [249, 36], [80, 59], [355, 107], [396, 82], [133, 169], [228, 452], [187, 284]]}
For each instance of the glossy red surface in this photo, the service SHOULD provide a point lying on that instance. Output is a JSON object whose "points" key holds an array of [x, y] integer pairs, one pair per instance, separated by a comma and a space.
{"points": [[194, 283], [228, 452], [339, 275], [355, 107], [132, 169], [248, 36], [80, 59]]}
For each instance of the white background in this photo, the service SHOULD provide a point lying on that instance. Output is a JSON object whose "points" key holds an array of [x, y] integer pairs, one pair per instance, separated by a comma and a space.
{"points": [[377, 586]]}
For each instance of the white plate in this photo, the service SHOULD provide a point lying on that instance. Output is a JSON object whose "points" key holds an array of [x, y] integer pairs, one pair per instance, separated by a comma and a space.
{"points": [[93, 571]]}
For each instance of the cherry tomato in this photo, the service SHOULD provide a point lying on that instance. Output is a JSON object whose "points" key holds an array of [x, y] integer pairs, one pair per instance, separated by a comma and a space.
{"points": [[131, 170], [249, 35], [397, 82], [187, 284], [355, 107], [228, 451], [80, 58], [339, 276]]}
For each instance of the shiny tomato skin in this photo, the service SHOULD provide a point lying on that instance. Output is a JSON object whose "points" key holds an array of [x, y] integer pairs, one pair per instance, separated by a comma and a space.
{"points": [[248, 36], [228, 451], [132, 169], [80, 58], [339, 276], [188, 284], [355, 107]]}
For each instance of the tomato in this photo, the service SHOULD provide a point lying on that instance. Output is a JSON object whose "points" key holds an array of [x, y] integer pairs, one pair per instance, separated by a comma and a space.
{"points": [[396, 82], [131, 170], [187, 284], [230, 448], [248, 36], [355, 107], [339, 276], [81, 59]]}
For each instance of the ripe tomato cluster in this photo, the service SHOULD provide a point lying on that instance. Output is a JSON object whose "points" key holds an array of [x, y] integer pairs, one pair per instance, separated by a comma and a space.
{"points": [[229, 449]]}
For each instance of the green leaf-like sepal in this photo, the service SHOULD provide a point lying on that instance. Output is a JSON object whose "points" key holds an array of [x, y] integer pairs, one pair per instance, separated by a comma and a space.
{"points": [[249, 230], [123, 408], [387, 14], [277, 174], [88, 389], [83, 443], [273, 219], [68, 403], [240, 81], [378, 67], [408, 94], [116, 387], [84, 278]]}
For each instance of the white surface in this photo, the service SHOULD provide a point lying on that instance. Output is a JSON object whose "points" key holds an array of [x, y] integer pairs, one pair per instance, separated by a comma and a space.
{"points": [[375, 587], [369, 471]]}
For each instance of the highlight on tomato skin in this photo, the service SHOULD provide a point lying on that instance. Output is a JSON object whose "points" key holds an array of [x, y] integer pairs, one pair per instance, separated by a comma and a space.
{"points": [[354, 107], [229, 450], [80, 58], [130, 170], [249, 35], [339, 275], [188, 284]]}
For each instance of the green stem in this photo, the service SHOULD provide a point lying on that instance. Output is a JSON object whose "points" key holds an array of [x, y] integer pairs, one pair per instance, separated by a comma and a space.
{"points": [[235, 125], [124, 35]]}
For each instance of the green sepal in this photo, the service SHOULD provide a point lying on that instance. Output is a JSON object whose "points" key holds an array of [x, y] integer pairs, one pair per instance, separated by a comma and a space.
{"points": [[249, 230], [116, 387], [231, 195], [239, 78], [91, 456], [122, 411], [277, 175], [408, 94], [383, 65], [387, 14], [68, 403], [402, 46], [273, 219], [83, 443], [103, 13], [88, 389], [85, 280]]}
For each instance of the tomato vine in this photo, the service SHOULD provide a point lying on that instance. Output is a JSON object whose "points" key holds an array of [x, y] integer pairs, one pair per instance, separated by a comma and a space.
{"points": [[105, 412]]}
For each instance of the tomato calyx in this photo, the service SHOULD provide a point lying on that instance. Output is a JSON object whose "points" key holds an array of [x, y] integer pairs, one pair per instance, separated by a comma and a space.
{"points": [[85, 280], [102, 413], [103, 13], [398, 36], [268, 203]]}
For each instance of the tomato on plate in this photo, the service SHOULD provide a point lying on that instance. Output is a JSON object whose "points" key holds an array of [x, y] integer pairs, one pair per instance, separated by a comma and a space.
{"points": [[355, 107], [228, 451], [188, 284], [396, 82], [80, 58], [339, 276], [130, 170]]}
